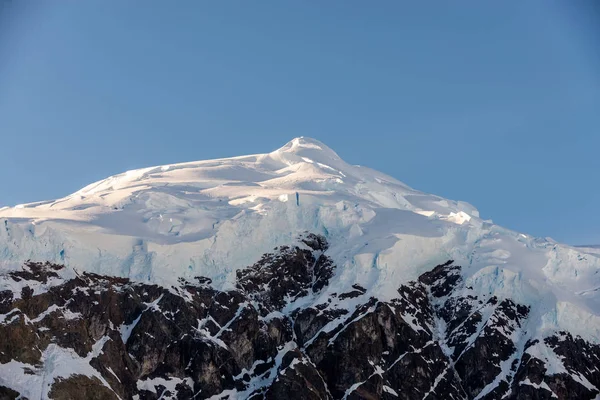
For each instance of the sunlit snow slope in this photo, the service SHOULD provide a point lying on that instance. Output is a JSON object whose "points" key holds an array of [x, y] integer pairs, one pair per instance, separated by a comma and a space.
{"points": [[210, 218]]}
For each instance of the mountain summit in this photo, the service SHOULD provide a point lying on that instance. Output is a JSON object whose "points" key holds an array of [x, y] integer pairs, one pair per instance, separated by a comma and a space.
{"points": [[138, 218], [308, 147], [261, 273]]}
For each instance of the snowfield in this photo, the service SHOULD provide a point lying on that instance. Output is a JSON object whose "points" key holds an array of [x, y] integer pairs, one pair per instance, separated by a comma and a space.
{"points": [[210, 218]]}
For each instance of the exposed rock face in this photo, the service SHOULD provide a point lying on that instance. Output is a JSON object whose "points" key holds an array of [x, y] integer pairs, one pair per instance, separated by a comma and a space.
{"points": [[99, 337]]}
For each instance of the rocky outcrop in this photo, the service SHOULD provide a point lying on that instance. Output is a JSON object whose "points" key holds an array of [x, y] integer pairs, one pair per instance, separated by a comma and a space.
{"points": [[98, 337]]}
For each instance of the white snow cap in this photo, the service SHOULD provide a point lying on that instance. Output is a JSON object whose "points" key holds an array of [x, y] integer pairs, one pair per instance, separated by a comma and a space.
{"points": [[308, 146], [209, 218]]}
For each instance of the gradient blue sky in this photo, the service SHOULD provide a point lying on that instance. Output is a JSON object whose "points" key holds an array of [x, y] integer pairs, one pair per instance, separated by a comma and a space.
{"points": [[493, 102]]}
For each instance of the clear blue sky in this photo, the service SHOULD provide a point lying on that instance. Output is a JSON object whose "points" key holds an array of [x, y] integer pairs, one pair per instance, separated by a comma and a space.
{"points": [[493, 102]]}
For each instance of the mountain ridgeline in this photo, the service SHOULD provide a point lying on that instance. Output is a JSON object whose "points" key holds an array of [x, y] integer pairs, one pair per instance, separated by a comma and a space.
{"points": [[287, 275], [265, 339]]}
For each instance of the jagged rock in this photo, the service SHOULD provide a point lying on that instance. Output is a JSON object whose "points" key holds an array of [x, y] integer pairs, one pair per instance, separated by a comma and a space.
{"points": [[81, 387], [8, 394], [297, 379], [289, 273], [435, 340]]}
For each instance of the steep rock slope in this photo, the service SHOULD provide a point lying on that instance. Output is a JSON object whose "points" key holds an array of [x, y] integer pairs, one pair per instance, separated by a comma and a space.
{"points": [[93, 336], [287, 274]]}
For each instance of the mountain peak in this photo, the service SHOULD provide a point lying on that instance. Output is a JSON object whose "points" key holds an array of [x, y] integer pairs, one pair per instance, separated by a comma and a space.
{"points": [[305, 146], [307, 248], [211, 218]]}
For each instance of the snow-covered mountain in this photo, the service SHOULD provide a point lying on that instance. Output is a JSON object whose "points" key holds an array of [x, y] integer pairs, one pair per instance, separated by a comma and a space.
{"points": [[298, 259]]}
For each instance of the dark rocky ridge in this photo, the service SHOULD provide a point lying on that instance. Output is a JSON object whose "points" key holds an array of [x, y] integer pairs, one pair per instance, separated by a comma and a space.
{"points": [[436, 340]]}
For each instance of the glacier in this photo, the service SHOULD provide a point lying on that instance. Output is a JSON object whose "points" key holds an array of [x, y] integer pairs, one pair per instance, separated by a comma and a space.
{"points": [[212, 218]]}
